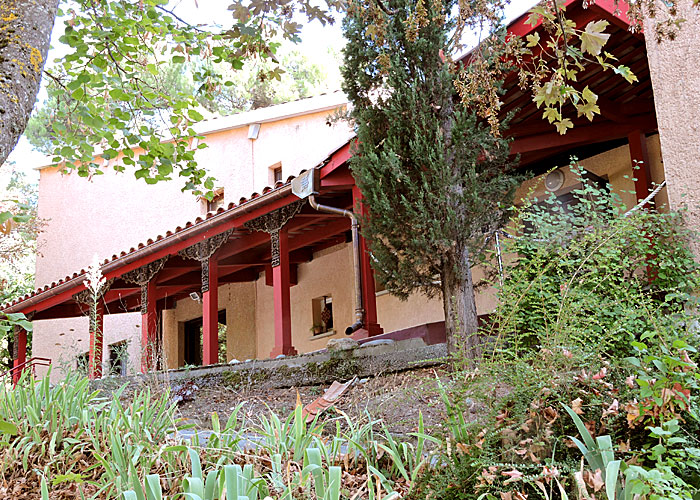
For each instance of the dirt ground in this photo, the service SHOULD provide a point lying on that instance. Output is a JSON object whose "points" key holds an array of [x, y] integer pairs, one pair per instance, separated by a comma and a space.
{"points": [[396, 398]]}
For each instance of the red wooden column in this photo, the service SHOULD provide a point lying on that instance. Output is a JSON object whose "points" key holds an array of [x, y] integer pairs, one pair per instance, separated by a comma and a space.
{"points": [[21, 339], [210, 310], [642, 183], [280, 284], [149, 326], [640, 157], [369, 297], [96, 341]]}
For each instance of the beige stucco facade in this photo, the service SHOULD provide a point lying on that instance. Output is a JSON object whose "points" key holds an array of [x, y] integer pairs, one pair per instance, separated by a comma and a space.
{"points": [[115, 211], [675, 77]]}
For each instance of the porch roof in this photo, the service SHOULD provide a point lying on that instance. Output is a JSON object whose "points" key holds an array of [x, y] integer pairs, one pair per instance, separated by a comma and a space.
{"points": [[625, 108], [243, 257]]}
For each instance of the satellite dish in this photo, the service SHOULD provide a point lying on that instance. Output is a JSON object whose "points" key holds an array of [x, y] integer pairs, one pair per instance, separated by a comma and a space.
{"points": [[554, 180]]}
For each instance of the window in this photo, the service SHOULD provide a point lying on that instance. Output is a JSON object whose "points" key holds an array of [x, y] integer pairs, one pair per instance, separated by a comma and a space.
{"points": [[275, 173], [322, 314], [117, 359], [82, 363], [215, 203]]}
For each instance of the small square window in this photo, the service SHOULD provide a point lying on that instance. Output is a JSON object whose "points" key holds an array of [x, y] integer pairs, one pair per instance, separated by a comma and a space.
{"points": [[216, 202], [323, 315], [275, 173], [118, 358]]}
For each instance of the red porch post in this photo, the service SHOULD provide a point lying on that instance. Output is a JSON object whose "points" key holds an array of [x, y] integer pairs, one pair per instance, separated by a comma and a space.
{"points": [[280, 284], [21, 339], [642, 183], [210, 310], [149, 325], [96, 341], [640, 157], [369, 297]]}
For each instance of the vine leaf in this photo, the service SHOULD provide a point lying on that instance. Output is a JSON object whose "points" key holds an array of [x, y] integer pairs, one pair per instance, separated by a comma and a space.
{"points": [[533, 39], [593, 37], [626, 73], [564, 125]]}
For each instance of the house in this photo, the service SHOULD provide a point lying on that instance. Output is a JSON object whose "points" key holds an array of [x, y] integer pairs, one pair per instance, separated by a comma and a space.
{"points": [[260, 272]]}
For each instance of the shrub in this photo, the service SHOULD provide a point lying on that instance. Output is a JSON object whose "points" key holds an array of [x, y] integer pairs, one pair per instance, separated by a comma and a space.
{"points": [[596, 312]]}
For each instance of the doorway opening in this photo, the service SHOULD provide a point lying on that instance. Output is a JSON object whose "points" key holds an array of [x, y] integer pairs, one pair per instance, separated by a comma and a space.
{"points": [[194, 340]]}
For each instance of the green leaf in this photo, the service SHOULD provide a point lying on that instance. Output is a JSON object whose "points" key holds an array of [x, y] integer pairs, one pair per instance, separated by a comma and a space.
{"points": [[626, 73], [8, 428], [78, 93], [195, 115], [564, 125], [5, 216], [611, 472], [533, 39], [593, 37], [588, 96]]}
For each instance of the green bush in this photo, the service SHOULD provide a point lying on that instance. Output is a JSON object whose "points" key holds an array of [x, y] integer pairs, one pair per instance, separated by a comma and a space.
{"points": [[585, 272]]}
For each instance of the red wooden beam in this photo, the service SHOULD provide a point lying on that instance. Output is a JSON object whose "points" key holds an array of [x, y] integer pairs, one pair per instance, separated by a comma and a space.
{"points": [[293, 275], [337, 159], [21, 354], [596, 132], [338, 178], [641, 164], [369, 298]]}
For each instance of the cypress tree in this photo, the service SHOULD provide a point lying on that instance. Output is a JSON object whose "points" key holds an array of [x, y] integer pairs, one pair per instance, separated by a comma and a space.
{"points": [[436, 179]]}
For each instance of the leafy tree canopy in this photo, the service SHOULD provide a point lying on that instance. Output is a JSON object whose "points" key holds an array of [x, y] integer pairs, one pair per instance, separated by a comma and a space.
{"points": [[253, 86], [118, 93], [436, 177]]}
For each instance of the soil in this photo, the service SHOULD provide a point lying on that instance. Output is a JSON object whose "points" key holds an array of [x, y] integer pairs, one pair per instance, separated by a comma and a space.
{"points": [[396, 399]]}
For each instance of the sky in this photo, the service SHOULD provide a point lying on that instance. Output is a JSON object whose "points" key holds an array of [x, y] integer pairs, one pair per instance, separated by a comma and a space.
{"points": [[316, 40]]}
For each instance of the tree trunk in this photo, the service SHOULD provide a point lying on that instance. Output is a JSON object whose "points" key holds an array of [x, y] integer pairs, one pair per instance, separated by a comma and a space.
{"points": [[25, 33], [458, 300]]}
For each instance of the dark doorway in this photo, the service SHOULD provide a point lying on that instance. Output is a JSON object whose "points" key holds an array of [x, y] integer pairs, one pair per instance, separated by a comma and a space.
{"points": [[194, 340]]}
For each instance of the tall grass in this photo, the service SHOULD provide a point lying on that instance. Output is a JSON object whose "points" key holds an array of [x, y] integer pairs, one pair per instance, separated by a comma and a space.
{"points": [[70, 437]]}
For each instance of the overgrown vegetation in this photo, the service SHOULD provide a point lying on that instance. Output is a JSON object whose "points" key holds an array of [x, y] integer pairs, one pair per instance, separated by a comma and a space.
{"points": [[82, 444], [592, 354]]}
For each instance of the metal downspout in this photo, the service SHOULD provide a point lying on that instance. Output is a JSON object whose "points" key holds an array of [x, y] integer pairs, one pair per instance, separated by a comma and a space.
{"points": [[359, 310]]}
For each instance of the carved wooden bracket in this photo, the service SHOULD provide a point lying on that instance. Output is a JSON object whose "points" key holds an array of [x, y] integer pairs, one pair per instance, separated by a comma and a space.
{"points": [[87, 297], [203, 251], [142, 276], [272, 222]]}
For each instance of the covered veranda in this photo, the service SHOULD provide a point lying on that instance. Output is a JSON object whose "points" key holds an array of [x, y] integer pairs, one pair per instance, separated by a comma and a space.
{"points": [[271, 233]]}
